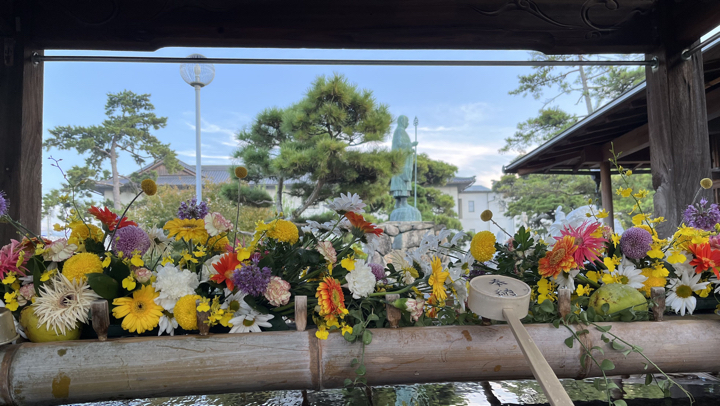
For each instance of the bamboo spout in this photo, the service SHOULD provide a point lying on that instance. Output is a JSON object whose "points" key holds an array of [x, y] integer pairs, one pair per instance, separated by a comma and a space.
{"points": [[129, 368]]}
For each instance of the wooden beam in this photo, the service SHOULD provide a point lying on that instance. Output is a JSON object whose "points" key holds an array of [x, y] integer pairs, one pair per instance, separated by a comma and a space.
{"points": [[712, 100], [628, 143], [21, 103], [679, 143], [606, 193]]}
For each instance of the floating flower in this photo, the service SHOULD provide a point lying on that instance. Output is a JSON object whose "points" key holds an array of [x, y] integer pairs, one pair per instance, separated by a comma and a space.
{"points": [[361, 225], [173, 284], [331, 299], [187, 229], [346, 203], [635, 242], [59, 250], [705, 259], [251, 279], [80, 265], [560, 259], [110, 219], [588, 239], [140, 313], [216, 224], [63, 304], [4, 204], [437, 279], [247, 320], [699, 216], [283, 231], [130, 239], [680, 294], [361, 281], [225, 267], [191, 210], [277, 291], [482, 246], [185, 312], [149, 187]]}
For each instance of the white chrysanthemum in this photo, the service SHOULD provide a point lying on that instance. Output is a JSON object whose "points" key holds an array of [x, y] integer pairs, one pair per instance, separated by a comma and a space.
{"points": [[361, 280], [59, 250], [462, 267], [158, 242], [630, 275], [346, 203], [167, 324], [680, 294], [173, 284], [566, 280], [247, 320], [207, 268], [63, 303]]}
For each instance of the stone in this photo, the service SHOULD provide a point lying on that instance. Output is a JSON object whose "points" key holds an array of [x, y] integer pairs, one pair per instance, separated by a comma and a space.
{"points": [[384, 244], [391, 230], [404, 228]]}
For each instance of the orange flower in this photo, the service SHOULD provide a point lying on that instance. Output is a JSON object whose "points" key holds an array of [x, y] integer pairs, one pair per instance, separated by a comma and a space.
{"points": [[705, 258], [331, 299], [225, 269], [560, 259], [110, 219], [359, 222]]}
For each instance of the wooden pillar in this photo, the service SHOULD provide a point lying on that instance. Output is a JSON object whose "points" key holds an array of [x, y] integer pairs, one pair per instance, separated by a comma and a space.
{"points": [[606, 193], [21, 102], [679, 143]]}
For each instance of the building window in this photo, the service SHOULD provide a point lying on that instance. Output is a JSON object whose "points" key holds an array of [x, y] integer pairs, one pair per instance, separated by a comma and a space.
{"points": [[460, 208], [471, 206]]}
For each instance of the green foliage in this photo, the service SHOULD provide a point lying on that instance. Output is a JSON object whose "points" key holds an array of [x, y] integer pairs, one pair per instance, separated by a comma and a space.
{"points": [[255, 196], [74, 193], [536, 130], [127, 129], [432, 172]]}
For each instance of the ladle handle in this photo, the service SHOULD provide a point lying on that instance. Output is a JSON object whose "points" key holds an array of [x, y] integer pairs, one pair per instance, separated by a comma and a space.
{"points": [[545, 376]]}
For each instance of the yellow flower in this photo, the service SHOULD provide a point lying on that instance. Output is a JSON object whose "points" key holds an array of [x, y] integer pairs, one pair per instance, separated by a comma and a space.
{"points": [[705, 292], [322, 333], [656, 250], [167, 260], [129, 283], [106, 261], [11, 302], [593, 276], [611, 263], [602, 214], [652, 280], [615, 239], [332, 322], [676, 257], [437, 279], [284, 231], [638, 219], [190, 229], [241, 172], [218, 243], [136, 260], [79, 265], [139, 313], [482, 246], [82, 231], [348, 263], [706, 183], [608, 279], [486, 215], [149, 187], [583, 290], [628, 173], [244, 253], [204, 305], [641, 194], [624, 192], [47, 275], [58, 227], [9, 278], [199, 251], [346, 329], [185, 312], [186, 257], [546, 290]]}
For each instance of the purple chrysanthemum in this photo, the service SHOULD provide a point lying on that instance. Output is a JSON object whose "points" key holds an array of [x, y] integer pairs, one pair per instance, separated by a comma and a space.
{"points": [[3, 204], [699, 216], [251, 279], [379, 271], [192, 210], [635, 242], [130, 239]]}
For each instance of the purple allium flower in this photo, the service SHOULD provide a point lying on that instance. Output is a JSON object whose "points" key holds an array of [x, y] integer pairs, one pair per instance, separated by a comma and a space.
{"points": [[3, 204], [635, 242], [379, 271], [191, 210], [251, 279], [699, 216], [130, 239]]}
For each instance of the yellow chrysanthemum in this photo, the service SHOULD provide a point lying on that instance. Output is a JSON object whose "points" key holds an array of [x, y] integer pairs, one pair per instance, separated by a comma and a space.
{"points": [[284, 231], [149, 187], [79, 265], [82, 231], [706, 183], [185, 312], [190, 229], [140, 313], [486, 215], [241, 172], [482, 247]]}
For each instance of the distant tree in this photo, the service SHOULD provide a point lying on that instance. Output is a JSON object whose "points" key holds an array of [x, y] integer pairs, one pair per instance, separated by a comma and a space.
{"points": [[127, 129], [74, 193], [537, 130]]}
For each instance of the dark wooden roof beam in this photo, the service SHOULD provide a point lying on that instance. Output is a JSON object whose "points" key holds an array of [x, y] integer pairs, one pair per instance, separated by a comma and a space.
{"points": [[629, 143]]}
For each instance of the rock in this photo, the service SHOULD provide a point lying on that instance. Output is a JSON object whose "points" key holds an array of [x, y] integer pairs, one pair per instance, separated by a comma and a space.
{"points": [[391, 230], [384, 244], [404, 228], [425, 225]]}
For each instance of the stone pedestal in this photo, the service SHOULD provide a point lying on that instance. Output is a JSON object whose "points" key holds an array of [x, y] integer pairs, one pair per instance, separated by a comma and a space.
{"points": [[404, 212], [401, 235]]}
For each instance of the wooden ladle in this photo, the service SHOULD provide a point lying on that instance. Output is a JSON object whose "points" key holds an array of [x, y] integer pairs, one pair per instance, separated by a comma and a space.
{"points": [[503, 298]]}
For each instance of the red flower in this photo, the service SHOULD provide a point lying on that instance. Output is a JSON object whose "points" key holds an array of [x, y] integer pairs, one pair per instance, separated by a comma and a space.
{"points": [[705, 258], [110, 219], [225, 269], [359, 222]]}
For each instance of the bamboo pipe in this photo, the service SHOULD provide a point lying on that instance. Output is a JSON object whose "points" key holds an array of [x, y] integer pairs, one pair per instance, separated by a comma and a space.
{"points": [[129, 368]]}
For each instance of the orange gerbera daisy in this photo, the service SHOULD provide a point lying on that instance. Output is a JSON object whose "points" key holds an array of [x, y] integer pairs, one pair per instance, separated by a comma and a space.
{"points": [[225, 269], [560, 259], [331, 298], [359, 222], [705, 258]]}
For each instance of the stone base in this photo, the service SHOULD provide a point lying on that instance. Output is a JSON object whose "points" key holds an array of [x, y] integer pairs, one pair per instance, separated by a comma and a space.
{"points": [[401, 235]]}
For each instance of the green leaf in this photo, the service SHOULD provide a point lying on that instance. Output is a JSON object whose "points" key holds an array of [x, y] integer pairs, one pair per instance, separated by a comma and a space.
{"points": [[583, 360], [354, 362], [252, 302], [373, 317], [619, 402], [600, 350], [596, 383], [626, 352], [645, 365], [604, 338], [611, 385], [556, 323], [105, 286], [605, 308], [361, 370], [547, 306], [278, 324], [582, 332], [367, 337], [617, 346], [347, 382], [94, 247], [118, 270], [569, 341], [607, 365], [648, 379], [604, 329]]}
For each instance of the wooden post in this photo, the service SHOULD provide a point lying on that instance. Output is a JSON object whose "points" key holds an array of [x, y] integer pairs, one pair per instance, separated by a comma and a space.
{"points": [[100, 318], [21, 103], [657, 294], [203, 326], [679, 142], [300, 312], [606, 193], [564, 303], [393, 313]]}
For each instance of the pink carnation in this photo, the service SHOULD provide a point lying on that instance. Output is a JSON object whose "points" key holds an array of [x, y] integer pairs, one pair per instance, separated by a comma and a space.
{"points": [[277, 291], [143, 275], [28, 291], [415, 307], [715, 242], [216, 224], [328, 251]]}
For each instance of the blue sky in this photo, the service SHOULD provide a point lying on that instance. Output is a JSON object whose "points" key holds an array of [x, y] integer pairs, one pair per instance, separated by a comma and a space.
{"points": [[464, 112]]}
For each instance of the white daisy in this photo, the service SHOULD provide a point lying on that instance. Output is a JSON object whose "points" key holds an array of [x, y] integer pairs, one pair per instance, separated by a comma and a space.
{"points": [[311, 227], [566, 280], [680, 294], [63, 303], [158, 242], [361, 281], [457, 237], [630, 275], [247, 320], [347, 202], [461, 267], [715, 281], [168, 324]]}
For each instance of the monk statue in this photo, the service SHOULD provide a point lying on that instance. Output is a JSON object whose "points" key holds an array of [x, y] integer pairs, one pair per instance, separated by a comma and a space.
{"points": [[401, 184]]}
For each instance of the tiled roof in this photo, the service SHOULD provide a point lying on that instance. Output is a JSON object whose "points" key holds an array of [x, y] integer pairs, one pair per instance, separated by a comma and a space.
{"points": [[476, 188], [213, 173]]}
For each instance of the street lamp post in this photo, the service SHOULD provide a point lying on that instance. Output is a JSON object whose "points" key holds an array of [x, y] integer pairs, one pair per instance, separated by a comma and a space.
{"points": [[415, 123], [197, 75]]}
